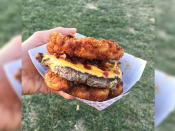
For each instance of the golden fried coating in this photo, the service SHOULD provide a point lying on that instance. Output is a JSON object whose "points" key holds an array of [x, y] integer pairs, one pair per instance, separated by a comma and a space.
{"points": [[90, 93], [116, 91], [81, 91], [88, 48], [56, 82], [99, 94]]}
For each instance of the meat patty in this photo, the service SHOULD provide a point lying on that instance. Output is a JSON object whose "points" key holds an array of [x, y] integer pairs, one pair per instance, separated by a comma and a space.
{"points": [[71, 74], [85, 78], [58, 83]]}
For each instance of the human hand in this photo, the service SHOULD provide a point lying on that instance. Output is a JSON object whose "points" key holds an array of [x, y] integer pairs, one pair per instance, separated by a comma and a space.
{"points": [[10, 105], [32, 82]]}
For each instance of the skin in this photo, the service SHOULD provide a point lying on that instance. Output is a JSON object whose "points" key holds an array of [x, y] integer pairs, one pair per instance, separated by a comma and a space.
{"points": [[32, 82], [10, 105]]}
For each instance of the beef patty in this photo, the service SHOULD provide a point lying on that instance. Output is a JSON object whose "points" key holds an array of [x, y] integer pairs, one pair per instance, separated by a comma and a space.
{"points": [[71, 72]]}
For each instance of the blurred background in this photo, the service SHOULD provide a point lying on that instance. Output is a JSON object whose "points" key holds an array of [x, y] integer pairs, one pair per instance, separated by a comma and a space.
{"points": [[131, 24], [10, 26], [10, 20], [165, 48]]}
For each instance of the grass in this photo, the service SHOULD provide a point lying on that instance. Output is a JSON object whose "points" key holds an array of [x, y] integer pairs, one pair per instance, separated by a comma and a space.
{"points": [[165, 56], [131, 23], [165, 36], [10, 20]]}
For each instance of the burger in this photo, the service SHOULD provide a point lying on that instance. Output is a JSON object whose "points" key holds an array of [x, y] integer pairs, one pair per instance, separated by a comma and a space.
{"points": [[83, 67]]}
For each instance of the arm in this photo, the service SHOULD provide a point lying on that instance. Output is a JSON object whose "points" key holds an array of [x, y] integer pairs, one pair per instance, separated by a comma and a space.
{"points": [[10, 105]]}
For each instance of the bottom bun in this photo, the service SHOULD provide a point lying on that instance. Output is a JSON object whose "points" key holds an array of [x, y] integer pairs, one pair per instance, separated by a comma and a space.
{"points": [[54, 81]]}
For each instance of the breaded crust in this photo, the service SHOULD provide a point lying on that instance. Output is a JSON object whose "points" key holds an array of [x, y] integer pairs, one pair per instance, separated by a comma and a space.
{"points": [[116, 91], [85, 78], [56, 82], [90, 93], [88, 47]]}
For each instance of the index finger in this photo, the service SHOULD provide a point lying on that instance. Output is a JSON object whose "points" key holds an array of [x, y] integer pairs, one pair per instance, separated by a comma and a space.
{"points": [[63, 94], [42, 37]]}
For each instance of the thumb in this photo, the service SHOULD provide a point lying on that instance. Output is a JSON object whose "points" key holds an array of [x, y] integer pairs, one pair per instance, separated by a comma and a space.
{"points": [[63, 94]]}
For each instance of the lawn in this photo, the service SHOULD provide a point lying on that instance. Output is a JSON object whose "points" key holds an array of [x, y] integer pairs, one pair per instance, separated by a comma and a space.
{"points": [[165, 56], [131, 24], [10, 20]]}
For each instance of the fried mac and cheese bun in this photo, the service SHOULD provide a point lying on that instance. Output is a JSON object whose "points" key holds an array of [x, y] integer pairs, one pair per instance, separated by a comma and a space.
{"points": [[116, 91], [90, 93], [88, 47], [56, 82], [100, 94], [80, 91]]}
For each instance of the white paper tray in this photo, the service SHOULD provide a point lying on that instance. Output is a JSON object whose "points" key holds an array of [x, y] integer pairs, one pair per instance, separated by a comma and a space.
{"points": [[164, 96], [131, 66], [9, 69]]}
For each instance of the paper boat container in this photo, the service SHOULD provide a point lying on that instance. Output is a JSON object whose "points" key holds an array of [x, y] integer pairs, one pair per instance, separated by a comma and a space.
{"points": [[131, 66], [9, 69], [164, 96]]}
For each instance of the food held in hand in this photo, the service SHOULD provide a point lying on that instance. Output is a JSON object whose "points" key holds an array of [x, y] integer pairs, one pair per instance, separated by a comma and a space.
{"points": [[86, 48], [83, 67]]}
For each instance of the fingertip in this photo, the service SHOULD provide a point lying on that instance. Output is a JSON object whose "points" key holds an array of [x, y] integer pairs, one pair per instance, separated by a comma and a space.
{"points": [[65, 95], [64, 31], [69, 97], [74, 30]]}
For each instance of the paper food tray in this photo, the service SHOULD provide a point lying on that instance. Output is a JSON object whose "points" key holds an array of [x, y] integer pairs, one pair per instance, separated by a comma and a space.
{"points": [[164, 96], [131, 66], [9, 69]]}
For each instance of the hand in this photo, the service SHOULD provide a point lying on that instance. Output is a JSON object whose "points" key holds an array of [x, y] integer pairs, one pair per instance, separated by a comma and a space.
{"points": [[10, 105], [32, 82]]}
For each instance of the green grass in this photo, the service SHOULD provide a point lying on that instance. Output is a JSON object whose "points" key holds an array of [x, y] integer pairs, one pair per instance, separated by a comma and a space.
{"points": [[131, 23], [167, 124], [10, 20], [165, 56]]}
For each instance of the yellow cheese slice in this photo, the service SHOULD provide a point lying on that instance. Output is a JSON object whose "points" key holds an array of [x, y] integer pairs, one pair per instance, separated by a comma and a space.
{"points": [[52, 61]]}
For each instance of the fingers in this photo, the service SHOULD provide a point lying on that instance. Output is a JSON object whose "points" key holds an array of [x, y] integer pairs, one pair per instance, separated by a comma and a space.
{"points": [[63, 30], [47, 90], [42, 37], [63, 94]]}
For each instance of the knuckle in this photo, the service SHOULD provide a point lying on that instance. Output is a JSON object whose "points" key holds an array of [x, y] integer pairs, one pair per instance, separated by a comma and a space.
{"points": [[60, 28], [38, 33]]}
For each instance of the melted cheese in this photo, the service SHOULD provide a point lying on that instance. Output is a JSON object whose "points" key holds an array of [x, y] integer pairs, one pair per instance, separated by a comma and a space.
{"points": [[52, 61]]}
